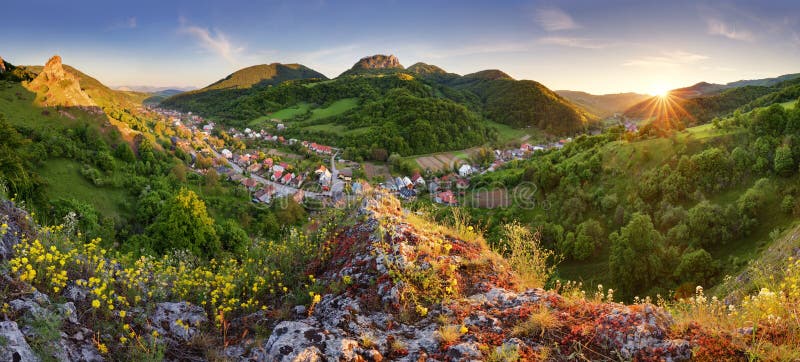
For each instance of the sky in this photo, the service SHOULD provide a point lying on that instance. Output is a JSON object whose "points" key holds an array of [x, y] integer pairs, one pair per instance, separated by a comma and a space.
{"points": [[594, 46]]}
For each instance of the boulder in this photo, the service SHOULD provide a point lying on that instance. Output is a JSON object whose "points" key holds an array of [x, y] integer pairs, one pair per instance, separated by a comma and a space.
{"points": [[13, 346], [178, 321]]}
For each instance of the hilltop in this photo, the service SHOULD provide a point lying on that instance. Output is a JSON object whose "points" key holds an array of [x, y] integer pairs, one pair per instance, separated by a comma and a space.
{"points": [[375, 64], [57, 87]]}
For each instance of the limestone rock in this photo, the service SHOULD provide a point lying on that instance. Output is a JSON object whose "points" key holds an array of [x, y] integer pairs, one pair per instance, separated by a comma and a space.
{"points": [[178, 321], [13, 346]]}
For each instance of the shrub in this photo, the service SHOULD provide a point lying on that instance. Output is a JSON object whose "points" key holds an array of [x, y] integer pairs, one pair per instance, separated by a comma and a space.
{"points": [[524, 253]]}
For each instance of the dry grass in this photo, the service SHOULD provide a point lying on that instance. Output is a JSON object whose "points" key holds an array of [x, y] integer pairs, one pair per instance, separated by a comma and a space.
{"points": [[538, 324], [448, 334]]}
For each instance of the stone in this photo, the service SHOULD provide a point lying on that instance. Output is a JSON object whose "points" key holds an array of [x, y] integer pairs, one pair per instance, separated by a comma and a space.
{"points": [[13, 346], [166, 319]]}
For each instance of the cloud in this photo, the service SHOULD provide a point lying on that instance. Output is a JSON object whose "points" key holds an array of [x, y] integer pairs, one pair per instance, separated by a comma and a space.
{"points": [[584, 43], [214, 41], [554, 19], [719, 27], [666, 60]]}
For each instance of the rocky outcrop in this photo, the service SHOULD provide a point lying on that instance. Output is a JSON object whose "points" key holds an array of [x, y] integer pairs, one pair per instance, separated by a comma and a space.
{"points": [[54, 86], [13, 346], [377, 63], [2, 65], [396, 288]]}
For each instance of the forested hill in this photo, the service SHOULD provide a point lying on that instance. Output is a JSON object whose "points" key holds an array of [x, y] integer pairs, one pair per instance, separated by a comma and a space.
{"points": [[440, 98], [702, 102]]}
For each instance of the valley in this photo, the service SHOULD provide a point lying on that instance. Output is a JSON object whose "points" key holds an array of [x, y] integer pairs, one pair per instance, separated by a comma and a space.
{"points": [[304, 195]]}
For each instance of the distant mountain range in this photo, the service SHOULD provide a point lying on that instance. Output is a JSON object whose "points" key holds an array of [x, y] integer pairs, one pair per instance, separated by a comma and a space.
{"points": [[493, 93], [605, 105], [152, 89], [703, 101]]}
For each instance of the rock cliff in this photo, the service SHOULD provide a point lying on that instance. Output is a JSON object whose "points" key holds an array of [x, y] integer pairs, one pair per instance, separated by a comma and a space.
{"points": [[55, 86]]}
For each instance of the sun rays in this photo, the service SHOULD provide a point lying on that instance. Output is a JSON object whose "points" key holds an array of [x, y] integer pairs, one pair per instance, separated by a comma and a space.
{"points": [[666, 112]]}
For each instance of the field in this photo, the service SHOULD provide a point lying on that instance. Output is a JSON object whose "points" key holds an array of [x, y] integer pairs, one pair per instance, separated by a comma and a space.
{"points": [[444, 160], [282, 114], [335, 109]]}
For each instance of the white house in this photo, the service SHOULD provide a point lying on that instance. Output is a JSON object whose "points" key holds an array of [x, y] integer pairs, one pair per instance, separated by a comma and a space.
{"points": [[227, 153], [465, 170]]}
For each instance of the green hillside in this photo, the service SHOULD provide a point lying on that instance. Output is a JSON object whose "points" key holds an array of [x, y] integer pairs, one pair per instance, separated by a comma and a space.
{"points": [[707, 199]]}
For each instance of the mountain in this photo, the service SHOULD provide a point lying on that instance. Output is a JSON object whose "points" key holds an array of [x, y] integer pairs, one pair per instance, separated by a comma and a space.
{"points": [[242, 82], [157, 97], [524, 103], [262, 75], [489, 74], [375, 64], [152, 89], [604, 105], [61, 84], [423, 69], [57, 87]]}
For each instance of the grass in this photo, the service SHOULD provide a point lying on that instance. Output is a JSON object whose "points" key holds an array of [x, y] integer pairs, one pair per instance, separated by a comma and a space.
{"points": [[64, 180], [335, 109], [537, 324], [789, 104], [283, 114]]}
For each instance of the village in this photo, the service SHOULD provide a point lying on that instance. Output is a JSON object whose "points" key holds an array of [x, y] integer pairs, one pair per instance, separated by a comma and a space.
{"points": [[271, 166]]}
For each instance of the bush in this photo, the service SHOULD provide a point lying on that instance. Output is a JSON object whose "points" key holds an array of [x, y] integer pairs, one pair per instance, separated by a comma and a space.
{"points": [[524, 253]]}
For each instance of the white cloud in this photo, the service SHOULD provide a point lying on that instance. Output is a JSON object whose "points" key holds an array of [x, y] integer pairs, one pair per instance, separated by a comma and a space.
{"points": [[553, 19], [214, 41], [666, 60], [719, 27], [584, 43]]}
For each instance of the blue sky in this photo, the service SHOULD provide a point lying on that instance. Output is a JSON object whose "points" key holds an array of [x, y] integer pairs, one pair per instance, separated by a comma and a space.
{"points": [[599, 47]]}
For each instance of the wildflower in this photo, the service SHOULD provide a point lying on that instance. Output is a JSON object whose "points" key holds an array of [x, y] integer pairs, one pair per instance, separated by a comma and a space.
{"points": [[463, 329], [95, 304], [122, 314]]}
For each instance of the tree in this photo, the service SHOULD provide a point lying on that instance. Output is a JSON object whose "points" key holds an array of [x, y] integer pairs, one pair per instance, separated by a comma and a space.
{"points": [[636, 255], [231, 235], [183, 223], [784, 163], [707, 224], [769, 121], [697, 267], [588, 236], [288, 211]]}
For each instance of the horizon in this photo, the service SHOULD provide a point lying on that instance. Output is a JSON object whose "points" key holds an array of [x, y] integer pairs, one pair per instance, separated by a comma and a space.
{"points": [[570, 45]]}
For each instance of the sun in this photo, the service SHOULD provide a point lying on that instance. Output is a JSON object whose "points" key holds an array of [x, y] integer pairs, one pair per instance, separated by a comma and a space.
{"points": [[659, 90]]}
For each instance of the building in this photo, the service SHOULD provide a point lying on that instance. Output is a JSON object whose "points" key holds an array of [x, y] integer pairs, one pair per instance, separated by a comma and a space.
{"points": [[465, 170], [227, 153]]}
